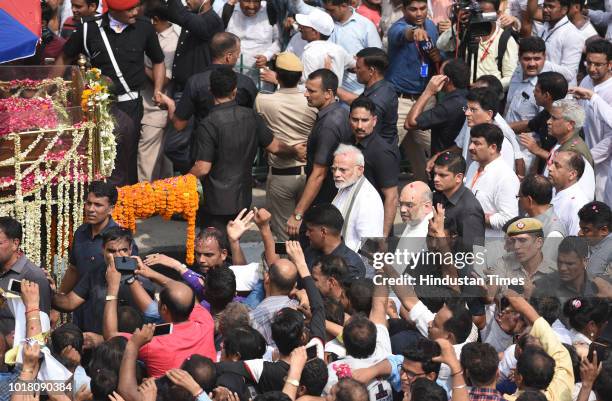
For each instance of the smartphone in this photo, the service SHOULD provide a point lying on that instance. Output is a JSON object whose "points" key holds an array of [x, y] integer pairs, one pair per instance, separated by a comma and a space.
{"points": [[14, 286], [517, 288], [125, 264], [601, 349], [368, 248], [311, 352], [280, 248], [162, 329]]}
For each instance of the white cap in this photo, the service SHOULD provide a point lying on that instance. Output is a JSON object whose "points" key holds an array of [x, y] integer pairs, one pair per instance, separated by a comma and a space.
{"points": [[318, 20]]}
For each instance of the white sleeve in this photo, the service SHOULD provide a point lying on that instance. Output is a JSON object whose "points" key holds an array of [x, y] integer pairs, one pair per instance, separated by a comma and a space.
{"points": [[383, 342], [505, 203], [275, 47], [421, 316]]}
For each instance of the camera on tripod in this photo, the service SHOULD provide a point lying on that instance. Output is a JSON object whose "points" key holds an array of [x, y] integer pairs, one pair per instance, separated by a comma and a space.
{"points": [[477, 23]]}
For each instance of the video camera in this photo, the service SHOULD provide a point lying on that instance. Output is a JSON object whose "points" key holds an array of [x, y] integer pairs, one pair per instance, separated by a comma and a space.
{"points": [[478, 24]]}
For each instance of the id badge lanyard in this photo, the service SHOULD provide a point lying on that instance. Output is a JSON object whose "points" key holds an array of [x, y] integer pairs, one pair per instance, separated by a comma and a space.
{"points": [[424, 67]]}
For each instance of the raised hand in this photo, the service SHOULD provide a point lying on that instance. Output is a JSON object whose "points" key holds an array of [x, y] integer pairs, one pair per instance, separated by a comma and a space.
{"points": [[237, 227], [262, 217]]}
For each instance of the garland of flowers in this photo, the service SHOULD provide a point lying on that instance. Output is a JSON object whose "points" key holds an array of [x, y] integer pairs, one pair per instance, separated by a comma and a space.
{"points": [[176, 195], [21, 85]]}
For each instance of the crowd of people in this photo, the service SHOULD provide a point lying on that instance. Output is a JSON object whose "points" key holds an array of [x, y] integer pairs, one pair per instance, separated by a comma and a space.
{"points": [[496, 286]]}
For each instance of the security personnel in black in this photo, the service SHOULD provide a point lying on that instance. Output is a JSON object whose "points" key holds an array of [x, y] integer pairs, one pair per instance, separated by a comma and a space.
{"points": [[200, 23], [116, 43]]}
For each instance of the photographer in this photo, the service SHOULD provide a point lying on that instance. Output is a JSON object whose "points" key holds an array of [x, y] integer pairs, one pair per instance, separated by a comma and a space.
{"points": [[414, 59], [497, 50]]}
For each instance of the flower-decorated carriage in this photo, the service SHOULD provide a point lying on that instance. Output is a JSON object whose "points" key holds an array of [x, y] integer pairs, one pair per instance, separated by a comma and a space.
{"points": [[56, 135]]}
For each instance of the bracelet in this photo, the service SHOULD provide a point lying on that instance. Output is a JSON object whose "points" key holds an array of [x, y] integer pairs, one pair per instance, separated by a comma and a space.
{"points": [[459, 387], [196, 395], [27, 370], [457, 373], [293, 382], [32, 310], [34, 318]]}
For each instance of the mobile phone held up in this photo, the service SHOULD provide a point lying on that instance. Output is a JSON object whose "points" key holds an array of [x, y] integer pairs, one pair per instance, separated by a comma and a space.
{"points": [[125, 264], [280, 248], [600, 349], [14, 286], [162, 329], [311, 352]]}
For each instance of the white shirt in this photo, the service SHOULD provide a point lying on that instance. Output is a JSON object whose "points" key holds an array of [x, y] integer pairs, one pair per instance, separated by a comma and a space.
{"points": [[421, 316], [382, 350], [566, 205], [413, 240], [367, 216], [588, 31], [510, 150], [256, 34], [565, 336], [598, 134], [296, 45], [495, 188], [313, 58], [586, 182], [599, 17], [519, 107], [564, 44]]}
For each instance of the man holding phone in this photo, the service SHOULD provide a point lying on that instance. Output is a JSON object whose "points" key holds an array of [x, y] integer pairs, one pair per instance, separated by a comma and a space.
{"points": [[91, 289], [15, 266]]}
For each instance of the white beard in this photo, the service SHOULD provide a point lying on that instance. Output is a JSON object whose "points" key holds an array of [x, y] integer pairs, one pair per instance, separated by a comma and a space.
{"points": [[345, 184]]}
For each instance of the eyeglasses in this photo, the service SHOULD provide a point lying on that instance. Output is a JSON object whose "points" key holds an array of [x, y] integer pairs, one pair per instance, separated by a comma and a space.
{"points": [[596, 65], [471, 109], [409, 373]]}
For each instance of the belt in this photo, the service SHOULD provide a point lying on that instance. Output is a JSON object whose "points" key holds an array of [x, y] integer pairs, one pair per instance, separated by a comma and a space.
{"points": [[297, 170], [409, 96], [126, 97]]}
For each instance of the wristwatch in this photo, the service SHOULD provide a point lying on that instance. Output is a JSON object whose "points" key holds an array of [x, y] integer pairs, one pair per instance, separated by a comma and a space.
{"points": [[298, 216], [130, 280], [111, 297]]}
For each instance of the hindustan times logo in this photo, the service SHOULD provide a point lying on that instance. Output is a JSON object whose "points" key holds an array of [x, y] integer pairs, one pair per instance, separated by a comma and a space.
{"points": [[413, 259]]}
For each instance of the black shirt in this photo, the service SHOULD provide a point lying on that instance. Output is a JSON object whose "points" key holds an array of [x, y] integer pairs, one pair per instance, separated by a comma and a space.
{"points": [[197, 99], [129, 48], [192, 51], [356, 267], [465, 210], [329, 130], [384, 96], [539, 125], [229, 138], [92, 288], [445, 120], [381, 162]]}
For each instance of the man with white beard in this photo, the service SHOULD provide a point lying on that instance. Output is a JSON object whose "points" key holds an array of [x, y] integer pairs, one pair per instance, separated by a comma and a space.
{"points": [[357, 199]]}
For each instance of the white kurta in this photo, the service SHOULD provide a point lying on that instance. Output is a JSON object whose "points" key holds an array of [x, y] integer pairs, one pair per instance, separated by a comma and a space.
{"points": [[566, 204], [586, 182], [510, 150], [598, 134], [256, 34], [564, 44], [495, 188], [367, 216]]}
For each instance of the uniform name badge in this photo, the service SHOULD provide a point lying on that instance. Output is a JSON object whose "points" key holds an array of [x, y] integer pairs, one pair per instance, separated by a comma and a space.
{"points": [[424, 70]]}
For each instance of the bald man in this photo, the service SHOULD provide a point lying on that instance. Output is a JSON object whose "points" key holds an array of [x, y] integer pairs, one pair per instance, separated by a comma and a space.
{"points": [[192, 330], [279, 280], [416, 204]]}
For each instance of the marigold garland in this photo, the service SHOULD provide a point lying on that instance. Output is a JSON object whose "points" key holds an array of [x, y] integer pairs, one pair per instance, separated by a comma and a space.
{"points": [[176, 195]]}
